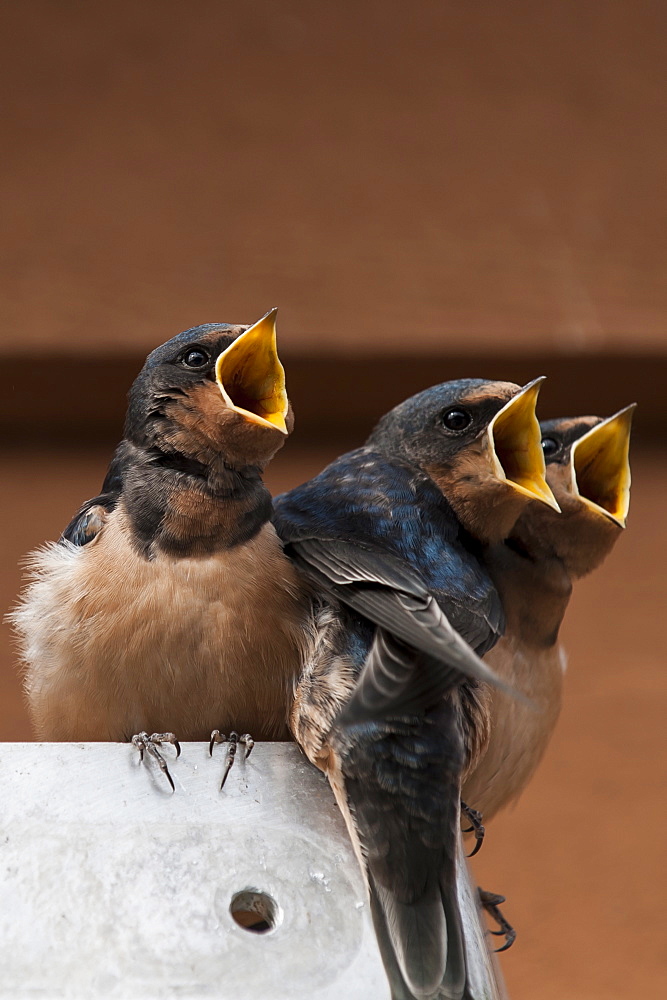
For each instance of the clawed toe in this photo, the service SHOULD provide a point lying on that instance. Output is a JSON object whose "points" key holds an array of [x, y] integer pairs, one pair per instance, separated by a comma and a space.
{"points": [[476, 826], [150, 744], [232, 742], [491, 902]]}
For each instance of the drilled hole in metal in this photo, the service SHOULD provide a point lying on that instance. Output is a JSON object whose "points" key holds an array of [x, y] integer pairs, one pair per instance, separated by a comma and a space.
{"points": [[254, 911]]}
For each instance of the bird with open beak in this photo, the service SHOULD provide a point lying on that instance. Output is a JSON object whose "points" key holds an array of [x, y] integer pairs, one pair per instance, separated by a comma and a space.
{"points": [[167, 606], [388, 705], [588, 470]]}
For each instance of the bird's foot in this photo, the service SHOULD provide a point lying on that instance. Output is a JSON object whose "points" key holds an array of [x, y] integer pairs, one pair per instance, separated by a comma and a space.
{"points": [[476, 826], [149, 744], [233, 741], [491, 902]]}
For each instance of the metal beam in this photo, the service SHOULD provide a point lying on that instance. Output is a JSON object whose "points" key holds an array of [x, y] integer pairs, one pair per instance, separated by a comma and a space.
{"points": [[112, 886]]}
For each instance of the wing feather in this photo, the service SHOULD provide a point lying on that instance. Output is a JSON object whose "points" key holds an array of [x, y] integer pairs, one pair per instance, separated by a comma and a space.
{"points": [[392, 596]]}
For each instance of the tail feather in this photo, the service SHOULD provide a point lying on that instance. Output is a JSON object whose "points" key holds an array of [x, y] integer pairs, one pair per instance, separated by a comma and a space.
{"points": [[400, 782], [421, 945]]}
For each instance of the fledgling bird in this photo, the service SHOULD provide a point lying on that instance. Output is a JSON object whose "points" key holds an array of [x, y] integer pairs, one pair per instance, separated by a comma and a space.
{"points": [[388, 705], [588, 471], [168, 603]]}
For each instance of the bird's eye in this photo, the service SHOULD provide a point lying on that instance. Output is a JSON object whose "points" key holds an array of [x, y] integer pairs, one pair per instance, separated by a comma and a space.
{"points": [[195, 357], [456, 420], [549, 447]]}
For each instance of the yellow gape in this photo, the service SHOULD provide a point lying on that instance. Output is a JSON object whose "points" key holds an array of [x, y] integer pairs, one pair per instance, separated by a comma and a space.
{"points": [[251, 377], [516, 449], [601, 466]]}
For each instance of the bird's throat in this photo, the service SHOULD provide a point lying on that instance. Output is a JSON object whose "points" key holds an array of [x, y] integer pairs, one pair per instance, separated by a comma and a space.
{"points": [[180, 506]]}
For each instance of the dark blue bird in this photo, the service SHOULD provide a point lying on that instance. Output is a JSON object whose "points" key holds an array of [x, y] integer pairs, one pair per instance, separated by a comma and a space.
{"points": [[388, 705]]}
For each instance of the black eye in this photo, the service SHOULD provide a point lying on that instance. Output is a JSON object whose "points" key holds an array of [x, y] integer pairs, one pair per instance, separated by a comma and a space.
{"points": [[195, 357], [549, 447], [456, 420]]}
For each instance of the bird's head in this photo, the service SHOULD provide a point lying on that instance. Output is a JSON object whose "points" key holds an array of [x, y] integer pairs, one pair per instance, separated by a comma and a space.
{"points": [[214, 392], [479, 441], [588, 470]]}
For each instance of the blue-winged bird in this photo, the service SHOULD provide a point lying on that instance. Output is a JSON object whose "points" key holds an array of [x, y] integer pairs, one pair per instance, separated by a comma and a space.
{"points": [[167, 603], [389, 704]]}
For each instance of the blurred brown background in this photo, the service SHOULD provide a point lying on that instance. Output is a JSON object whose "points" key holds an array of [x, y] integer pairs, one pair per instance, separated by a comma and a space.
{"points": [[426, 190]]}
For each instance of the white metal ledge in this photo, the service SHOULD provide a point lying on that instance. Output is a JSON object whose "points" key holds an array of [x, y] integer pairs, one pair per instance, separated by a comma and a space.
{"points": [[113, 887]]}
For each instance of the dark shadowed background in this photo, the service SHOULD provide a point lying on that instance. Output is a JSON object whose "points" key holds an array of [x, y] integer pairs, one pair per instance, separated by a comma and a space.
{"points": [[426, 190]]}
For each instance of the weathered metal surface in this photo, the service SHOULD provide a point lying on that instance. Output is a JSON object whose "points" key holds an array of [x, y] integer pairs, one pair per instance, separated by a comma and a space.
{"points": [[113, 887]]}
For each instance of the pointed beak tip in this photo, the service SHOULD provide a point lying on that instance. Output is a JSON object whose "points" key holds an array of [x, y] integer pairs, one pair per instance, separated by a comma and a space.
{"points": [[543, 493], [619, 520], [267, 320], [533, 387]]}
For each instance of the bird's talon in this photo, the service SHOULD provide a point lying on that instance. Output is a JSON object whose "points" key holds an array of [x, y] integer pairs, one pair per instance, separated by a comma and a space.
{"points": [[233, 741], [490, 901], [149, 744], [224, 777], [476, 826], [511, 938]]}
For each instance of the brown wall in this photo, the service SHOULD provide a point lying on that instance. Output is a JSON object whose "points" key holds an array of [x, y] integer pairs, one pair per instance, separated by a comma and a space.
{"points": [[427, 190], [463, 175]]}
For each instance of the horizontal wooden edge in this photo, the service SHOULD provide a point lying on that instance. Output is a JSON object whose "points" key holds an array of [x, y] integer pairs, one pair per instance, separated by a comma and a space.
{"points": [[82, 400]]}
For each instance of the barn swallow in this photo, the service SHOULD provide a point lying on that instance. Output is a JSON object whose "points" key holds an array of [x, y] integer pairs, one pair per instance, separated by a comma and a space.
{"points": [[168, 603], [388, 704], [588, 471]]}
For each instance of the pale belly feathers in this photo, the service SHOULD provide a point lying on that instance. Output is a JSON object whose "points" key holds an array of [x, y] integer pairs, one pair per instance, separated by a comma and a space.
{"points": [[115, 643]]}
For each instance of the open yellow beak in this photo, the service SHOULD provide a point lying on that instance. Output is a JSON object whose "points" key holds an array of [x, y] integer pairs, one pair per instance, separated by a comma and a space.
{"points": [[600, 463], [516, 445], [251, 377]]}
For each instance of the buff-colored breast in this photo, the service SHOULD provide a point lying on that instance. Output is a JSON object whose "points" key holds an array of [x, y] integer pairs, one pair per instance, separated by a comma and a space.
{"points": [[115, 643], [519, 733]]}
